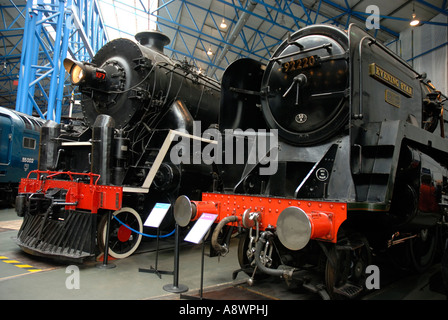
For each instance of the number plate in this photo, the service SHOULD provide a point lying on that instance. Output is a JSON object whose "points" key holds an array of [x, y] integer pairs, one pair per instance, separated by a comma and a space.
{"points": [[300, 64]]}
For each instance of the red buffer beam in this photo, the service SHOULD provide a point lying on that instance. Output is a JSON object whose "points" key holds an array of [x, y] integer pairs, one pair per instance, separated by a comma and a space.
{"points": [[296, 221]]}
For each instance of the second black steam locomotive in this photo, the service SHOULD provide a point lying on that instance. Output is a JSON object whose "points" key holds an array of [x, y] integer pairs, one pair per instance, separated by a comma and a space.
{"points": [[136, 102], [361, 162]]}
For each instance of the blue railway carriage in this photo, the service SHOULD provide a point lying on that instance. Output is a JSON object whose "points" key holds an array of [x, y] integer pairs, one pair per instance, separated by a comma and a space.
{"points": [[19, 150]]}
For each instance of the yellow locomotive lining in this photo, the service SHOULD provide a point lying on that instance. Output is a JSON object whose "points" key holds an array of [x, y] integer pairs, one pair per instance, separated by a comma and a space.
{"points": [[19, 264]]}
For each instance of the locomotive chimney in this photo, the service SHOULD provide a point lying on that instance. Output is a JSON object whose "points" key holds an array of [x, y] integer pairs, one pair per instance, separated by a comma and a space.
{"points": [[153, 39]]}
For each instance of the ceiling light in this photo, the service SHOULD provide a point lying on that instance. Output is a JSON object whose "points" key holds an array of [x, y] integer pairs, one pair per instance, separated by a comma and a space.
{"points": [[209, 52], [414, 22], [223, 24]]}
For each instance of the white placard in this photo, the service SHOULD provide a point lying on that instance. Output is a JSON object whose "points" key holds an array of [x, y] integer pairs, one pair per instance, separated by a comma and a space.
{"points": [[201, 227], [157, 214]]}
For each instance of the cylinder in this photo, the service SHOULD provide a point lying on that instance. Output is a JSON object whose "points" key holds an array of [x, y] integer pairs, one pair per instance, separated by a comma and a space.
{"points": [[186, 210], [121, 146], [321, 225], [121, 151], [204, 206]]}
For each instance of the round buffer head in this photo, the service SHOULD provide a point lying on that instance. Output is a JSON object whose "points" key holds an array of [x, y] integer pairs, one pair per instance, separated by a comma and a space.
{"points": [[183, 211], [293, 228]]}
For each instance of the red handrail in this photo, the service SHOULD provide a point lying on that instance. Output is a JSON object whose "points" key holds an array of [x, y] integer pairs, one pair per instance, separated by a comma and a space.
{"points": [[52, 174]]}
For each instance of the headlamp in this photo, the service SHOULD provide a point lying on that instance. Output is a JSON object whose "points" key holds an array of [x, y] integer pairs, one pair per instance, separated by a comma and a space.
{"points": [[77, 74], [83, 72]]}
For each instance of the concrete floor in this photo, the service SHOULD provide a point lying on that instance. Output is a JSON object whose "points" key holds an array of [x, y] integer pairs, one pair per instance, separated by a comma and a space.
{"points": [[25, 277], [123, 282]]}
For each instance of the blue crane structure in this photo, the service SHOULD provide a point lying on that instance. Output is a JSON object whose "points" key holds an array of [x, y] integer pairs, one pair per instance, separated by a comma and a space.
{"points": [[52, 30]]}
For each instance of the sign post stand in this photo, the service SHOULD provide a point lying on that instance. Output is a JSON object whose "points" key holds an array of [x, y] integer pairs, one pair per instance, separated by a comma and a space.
{"points": [[154, 219], [196, 235]]}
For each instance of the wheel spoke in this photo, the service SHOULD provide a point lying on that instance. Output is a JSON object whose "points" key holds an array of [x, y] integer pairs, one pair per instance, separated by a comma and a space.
{"points": [[122, 243]]}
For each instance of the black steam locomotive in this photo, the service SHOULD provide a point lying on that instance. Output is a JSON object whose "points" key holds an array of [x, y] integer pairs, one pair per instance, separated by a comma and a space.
{"points": [[136, 102], [358, 162]]}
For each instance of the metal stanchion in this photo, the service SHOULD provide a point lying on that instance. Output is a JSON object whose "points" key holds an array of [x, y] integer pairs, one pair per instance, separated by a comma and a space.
{"points": [[175, 287], [154, 269], [201, 288], [105, 265]]}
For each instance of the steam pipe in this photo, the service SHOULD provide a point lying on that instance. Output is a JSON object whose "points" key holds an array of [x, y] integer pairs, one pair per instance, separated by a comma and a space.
{"points": [[48, 146], [221, 249], [102, 138], [285, 273]]}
